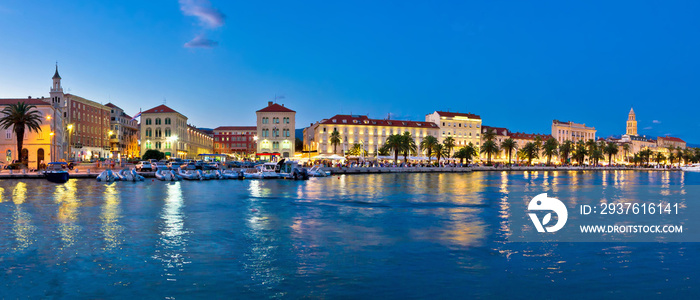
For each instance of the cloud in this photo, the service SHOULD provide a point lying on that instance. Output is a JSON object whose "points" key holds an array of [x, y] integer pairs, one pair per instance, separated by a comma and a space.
{"points": [[656, 122], [202, 10], [201, 42], [647, 128]]}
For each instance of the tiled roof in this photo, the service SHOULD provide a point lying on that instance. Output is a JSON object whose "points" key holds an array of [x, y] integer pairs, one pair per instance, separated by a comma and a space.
{"points": [[236, 128], [274, 107], [364, 120], [672, 139], [529, 136], [498, 130], [455, 114], [28, 101], [112, 105], [160, 109]]}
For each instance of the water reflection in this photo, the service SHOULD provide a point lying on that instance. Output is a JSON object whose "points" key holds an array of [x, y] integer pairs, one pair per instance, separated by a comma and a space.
{"points": [[111, 211], [68, 201], [22, 221], [173, 236]]}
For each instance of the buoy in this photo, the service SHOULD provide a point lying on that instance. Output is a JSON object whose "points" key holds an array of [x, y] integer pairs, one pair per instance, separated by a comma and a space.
{"points": [[338, 177], [254, 210]]}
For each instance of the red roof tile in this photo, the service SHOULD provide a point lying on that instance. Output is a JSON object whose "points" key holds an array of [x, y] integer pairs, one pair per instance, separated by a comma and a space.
{"points": [[33, 101], [364, 120], [672, 139], [160, 109], [529, 136], [455, 114], [250, 128], [274, 107], [498, 130]]}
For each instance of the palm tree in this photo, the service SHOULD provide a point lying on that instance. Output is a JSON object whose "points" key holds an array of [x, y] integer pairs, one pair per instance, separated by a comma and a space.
{"points": [[659, 158], [597, 155], [592, 146], [335, 139], [626, 148], [679, 155], [530, 152], [428, 144], [440, 151], [565, 150], [467, 152], [489, 147], [21, 116], [645, 155], [509, 145], [408, 145], [489, 134], [671, 158], [610, 149], [449, 143], [357, 150], [550, 148], [580, 152], [395, 144]]}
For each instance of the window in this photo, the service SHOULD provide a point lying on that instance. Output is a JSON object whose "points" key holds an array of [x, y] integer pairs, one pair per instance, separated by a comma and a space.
{"points": [[167, 130], [158, 133], [149, 133], [148, 121], [167, 121], [157, 121], [8, 134]]}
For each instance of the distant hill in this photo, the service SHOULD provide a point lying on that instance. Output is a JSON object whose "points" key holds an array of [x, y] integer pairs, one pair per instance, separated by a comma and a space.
{"points": [[693, 145]]}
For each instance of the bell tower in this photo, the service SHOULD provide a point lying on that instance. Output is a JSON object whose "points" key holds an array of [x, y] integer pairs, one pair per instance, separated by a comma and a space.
{"points": [[631, 123], [56, 93]]}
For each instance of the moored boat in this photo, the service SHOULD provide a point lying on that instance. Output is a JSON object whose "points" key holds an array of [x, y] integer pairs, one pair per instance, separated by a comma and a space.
{"points": [[691, 168], [57, 172]]}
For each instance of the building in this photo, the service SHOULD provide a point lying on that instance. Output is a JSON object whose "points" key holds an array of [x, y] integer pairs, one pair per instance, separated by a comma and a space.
{"points": [[669, 141], [371, 134], [275, 131], [631, 123], [124, 140], [198, 141], [237, 140], [309, 137], [501, 135], [463, 128], [89, 126], [165, 130], [570, 131]]}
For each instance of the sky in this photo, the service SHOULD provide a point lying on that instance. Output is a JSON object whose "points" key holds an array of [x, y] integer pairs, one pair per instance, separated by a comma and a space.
{"points": [[517, 64]]}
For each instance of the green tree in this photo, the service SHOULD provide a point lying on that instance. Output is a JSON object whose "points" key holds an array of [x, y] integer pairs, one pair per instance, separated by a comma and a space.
{"points": [[449, 144], [153, 154], [592, 147], [489, 134], [530, 152], [335, 140], [659, 158], [610, 149], [383, 150], [679, 155], [565, 150], [489, 147], [580, 152], [467, 152], [21, 117], [408, 145], [357, 150], [440, 151], [550, 148], [395, 144], [428, 144], [626, 149], [509, 145]]}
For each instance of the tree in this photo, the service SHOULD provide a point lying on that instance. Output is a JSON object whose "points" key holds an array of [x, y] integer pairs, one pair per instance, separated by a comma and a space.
{"points": [[580, 152], [550, 148], [626, 148], [530, 152], [659, 158], [357, 150], [335, 140], [592, 147], [395, 144], [489, 134], [153, 154], [449, 144], [21, 117], [440, 151], [610, 149], [383, 150], [679, 155], [428, 144], [489, 147], [597, 155], [565, 150], [298, 144], [509, 145], [645, 155], [467, 152], [408, 145]]}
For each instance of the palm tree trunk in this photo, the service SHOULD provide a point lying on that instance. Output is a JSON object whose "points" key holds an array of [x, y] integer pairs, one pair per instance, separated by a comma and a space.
{"points": [[19, 132]]}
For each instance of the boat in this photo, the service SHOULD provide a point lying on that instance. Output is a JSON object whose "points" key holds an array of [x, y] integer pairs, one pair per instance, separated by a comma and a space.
{"points": [[316, 171], [107, 176], [189, 174], [291, 170], [691, 168], [57, 172], [164, 175], [206, 175], [136, 175], [126, 175], [175, 176], [264, 171], [233, 175]]}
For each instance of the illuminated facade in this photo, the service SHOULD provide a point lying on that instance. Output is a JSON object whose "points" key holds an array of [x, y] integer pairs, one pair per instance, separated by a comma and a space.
{"points": [[570, 131], [462, 127], [125, 133], [369, 133], [669, 141], [198, 141], [275, 131], [165, 130], [239, 140], [631, 123]]}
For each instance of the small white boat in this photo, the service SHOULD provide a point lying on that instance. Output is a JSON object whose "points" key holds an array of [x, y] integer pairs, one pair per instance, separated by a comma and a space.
{"points": [[264, 171], [107, 176], [232, 175], [137, 176], [691, 168], [207, 175], [189, 174], [316, 171], [126, 175], [165, 175]]}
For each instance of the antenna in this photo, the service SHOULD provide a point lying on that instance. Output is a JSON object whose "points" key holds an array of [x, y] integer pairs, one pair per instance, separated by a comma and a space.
{"points": [[164, 100]]}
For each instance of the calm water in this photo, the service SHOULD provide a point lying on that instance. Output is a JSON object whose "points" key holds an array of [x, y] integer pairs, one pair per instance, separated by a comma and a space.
{"points": [[374, 236]]}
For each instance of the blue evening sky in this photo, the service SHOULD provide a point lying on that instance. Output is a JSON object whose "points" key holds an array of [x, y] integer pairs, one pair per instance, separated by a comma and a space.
{"points": [[517, 64]]}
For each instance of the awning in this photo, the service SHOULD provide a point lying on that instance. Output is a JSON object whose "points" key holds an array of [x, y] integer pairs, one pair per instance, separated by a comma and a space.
{"points": [[267, 153]]}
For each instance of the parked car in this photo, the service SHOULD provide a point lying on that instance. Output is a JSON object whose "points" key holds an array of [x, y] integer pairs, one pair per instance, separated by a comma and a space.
{"points": [[144, 166], [188, 166], [161, 165], [173, 165]]}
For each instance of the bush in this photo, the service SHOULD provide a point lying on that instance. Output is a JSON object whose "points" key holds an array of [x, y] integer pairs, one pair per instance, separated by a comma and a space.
{"points": [[153, 154]]}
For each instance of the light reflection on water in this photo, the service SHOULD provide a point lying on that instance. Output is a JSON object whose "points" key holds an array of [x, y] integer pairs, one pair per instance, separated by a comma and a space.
{"points": [[389, 235]]}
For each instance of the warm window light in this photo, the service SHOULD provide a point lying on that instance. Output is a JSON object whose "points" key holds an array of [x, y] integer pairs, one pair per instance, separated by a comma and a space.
{"points": [[51, 134], [48, 117]]}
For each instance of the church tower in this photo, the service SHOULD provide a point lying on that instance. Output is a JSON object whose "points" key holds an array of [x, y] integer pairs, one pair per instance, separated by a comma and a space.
{"points": [[631, 123], [56, 93]]}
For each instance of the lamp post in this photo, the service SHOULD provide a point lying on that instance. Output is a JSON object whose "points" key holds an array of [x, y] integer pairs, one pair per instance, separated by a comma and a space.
{"points": [[51, 156], [70, 135]]}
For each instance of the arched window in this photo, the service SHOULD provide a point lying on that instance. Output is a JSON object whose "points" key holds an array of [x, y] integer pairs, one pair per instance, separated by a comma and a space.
{"points": [[149, 132], [148, 121], [158, 132], [157, 121], [167, 121], [167, 131]]}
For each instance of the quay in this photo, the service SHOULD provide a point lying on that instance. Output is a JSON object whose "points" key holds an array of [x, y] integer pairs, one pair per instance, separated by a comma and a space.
{"points": [[371, 170]]}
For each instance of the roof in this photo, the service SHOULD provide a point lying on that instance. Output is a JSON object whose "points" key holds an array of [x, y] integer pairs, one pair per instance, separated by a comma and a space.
{"points": [[160, 109], [236, 128], [498, 130], [364, 120], [55, 75], [672, 139], [529, 136], [456, 114], [200, 130], [274, 107], [112, 105], [32, 101], [72, 97]]}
